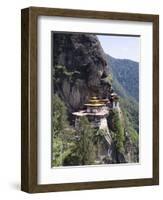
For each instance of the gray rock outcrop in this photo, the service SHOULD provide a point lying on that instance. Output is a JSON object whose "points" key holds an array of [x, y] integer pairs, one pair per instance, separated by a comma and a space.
{"points": [[83, 64]]}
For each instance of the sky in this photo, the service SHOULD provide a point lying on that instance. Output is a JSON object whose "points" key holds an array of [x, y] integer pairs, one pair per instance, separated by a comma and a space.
{"points": [[127, 47]]}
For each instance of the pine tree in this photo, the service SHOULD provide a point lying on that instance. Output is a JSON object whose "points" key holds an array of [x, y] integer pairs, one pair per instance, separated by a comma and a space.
{"points": [[60, 131], [59, 118], [86, 148], [98, 137], [119, 131]]}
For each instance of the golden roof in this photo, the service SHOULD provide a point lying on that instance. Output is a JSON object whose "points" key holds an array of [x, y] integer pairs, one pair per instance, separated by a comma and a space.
{"points": [[104, 100], [94, 102], [94, 98]]}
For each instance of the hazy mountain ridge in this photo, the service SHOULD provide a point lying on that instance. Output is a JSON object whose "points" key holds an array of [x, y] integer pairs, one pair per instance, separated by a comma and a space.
{"points": [[125, 81], [126, 72]]}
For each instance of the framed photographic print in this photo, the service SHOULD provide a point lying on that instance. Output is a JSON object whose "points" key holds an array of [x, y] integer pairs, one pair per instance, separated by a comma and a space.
{"points": [[90, 99]]}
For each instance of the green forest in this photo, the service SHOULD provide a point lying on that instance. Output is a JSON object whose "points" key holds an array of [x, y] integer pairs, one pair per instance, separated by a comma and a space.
{"points": [[125, 80], [71, 147]]}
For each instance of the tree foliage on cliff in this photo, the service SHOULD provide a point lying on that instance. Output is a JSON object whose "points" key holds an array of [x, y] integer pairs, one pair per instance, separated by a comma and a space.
{"points": [[125, 75], [83, 151], [61, 132], [59, 118], [70, 147], [85, 146], [116, 126]]}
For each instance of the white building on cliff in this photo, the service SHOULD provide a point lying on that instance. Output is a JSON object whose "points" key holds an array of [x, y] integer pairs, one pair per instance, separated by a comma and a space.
{"points": [[97, 111]]}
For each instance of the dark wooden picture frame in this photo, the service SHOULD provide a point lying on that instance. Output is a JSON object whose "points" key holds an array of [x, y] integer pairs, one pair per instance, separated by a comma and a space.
{"points": [[29, 136]]}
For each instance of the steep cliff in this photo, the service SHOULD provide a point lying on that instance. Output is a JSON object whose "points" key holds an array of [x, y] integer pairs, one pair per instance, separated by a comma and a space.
{"points": [[79, 65], [124, 146]]}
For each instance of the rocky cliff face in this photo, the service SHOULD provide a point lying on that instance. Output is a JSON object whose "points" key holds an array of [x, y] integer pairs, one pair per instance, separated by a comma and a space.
{"points": [[79, 64], [130, 150]]}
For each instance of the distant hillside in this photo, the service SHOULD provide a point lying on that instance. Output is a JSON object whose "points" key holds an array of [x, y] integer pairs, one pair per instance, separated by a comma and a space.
{"points": [[127, 74], [125, 81]]}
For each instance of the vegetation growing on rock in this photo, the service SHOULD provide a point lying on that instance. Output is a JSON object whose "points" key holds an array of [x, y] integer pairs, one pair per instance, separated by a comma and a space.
{"points": [[117, 127]]}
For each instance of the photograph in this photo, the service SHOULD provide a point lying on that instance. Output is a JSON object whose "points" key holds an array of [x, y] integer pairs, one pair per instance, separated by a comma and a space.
{"points": [[94, 99], [90, 99]]}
